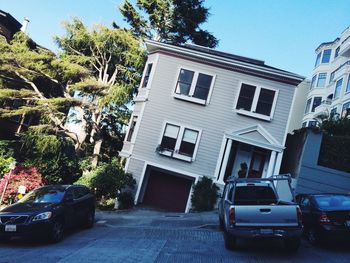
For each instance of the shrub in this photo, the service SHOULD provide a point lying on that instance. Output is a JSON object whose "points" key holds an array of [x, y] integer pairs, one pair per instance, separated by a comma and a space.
{"points": [[204, 195], [106, 204], [28, 177], [4, 164], [126, 200], [54, 156], [107, 180]]}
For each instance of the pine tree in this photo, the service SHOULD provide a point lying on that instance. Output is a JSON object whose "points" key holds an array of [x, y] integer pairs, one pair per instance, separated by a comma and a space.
{"points": [[169, 21]]}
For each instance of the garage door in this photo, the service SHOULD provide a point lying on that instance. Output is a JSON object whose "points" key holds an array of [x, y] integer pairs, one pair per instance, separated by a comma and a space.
{"points": [[167, 191]]}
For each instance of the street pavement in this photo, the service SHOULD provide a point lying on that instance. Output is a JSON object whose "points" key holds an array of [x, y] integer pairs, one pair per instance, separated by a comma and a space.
{"points": [[144, 235]]}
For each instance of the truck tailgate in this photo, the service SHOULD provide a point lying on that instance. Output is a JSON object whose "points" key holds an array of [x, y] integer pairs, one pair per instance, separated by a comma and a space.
{"points": [[266, 215]]}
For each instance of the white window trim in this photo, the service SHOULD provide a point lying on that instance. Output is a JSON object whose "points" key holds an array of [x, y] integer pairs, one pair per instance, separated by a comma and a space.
{"points": [[252, 112], [175, 153], [133, 137], [193, 86]]}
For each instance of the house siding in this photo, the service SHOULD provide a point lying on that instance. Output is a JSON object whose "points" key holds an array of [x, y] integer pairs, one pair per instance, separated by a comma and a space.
{"points": [[213, 119]]}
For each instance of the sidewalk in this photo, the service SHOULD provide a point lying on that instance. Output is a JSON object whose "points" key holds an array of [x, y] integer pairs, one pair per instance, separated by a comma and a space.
{"points": [[140, 216]]}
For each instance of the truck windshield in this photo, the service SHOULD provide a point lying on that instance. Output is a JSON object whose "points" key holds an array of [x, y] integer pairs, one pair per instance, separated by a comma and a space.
{"points": [[254, 195]]}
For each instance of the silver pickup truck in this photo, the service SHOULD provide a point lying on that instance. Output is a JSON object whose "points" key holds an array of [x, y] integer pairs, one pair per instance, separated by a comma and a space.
{"points": [[250, 208]]}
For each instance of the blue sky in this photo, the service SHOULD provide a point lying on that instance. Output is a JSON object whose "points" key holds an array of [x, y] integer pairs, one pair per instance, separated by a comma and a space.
{"points": [[283, 33]]}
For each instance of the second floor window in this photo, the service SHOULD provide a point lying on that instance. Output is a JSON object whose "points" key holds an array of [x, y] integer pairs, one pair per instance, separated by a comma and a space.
{"points": [[348, 85], [308, 105], [194, 86], [321, 81], [256, 99], [316, 103], [338, 87]]}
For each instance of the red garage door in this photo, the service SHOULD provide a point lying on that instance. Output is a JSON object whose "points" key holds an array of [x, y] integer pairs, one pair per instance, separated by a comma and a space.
{"points": [[167, 191]]}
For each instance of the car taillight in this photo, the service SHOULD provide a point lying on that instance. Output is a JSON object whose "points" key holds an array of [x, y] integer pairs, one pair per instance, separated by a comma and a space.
{"points": [[324, 218], [232, 216], [300, 216]]}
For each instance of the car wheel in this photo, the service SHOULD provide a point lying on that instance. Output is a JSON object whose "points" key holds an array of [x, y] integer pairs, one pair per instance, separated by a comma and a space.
{"points": [[292, 245], [5, 238], [230, 240], [312, 237], [221, 223], [57, 231], [90, 219]]}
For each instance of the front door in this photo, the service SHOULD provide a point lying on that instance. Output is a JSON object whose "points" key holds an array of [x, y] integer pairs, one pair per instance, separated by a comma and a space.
{"points": [[257, 164]]}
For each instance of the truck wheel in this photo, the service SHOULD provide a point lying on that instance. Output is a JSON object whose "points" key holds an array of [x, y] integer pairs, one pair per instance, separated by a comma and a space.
{"points": [[230, 241], [292, 244], [221, 223], [313, 237]]}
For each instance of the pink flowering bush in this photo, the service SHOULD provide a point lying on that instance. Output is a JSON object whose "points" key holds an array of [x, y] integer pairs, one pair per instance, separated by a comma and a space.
{"points": [[26, 176]]}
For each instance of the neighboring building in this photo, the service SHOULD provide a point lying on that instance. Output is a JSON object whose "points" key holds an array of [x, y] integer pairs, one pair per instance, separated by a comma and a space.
{"points": [[307, 162], [299, 106], [329, 92], [201, 112], [8, 25], [11, 127]]}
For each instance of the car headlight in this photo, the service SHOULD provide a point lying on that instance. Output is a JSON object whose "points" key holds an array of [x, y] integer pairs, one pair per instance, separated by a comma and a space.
{"points": [[42, 216]]}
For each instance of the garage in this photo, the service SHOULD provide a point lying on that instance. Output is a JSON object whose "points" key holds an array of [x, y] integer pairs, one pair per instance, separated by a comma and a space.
{"points": [[166, 190]]}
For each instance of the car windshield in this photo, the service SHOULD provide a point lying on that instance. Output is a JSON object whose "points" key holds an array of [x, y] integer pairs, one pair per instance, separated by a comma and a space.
{"points": [[43, 195], [331, 201]]}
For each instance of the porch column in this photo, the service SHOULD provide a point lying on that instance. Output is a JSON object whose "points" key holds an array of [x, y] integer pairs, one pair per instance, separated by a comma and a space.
{"points": [[278, 163], [271, 167], [225, 160]]}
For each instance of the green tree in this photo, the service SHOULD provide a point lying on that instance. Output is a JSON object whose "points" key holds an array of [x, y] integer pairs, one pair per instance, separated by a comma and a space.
{"points": [[36, 81], [114, 59], [170, 21]]}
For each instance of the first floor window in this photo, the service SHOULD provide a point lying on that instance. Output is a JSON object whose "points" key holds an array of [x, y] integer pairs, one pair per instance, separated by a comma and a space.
{"points": [[180, 141], [170, 137], [188, 142], [316, 103], [346, 110], [256, 99], [131, 129], [333, 112], [312, 124]]}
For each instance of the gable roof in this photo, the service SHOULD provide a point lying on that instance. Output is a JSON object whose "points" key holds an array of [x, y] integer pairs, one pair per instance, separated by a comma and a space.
{"points": [[225, 60], [255, 135]]}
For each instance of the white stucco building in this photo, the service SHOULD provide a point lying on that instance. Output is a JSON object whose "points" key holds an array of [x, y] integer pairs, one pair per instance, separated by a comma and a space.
{"points": [[329, 91]]}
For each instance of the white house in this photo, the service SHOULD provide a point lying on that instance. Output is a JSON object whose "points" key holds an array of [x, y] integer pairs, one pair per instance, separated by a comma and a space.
{"points": [[329, 92], [201, 112]]}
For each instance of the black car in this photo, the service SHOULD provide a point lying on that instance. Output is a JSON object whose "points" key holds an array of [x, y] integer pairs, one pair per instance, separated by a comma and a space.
{"points": [[325, 216], [47, 211]]}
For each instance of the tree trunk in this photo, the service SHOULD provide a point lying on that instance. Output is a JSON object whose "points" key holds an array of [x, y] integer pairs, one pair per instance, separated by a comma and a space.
{"points": [[96, 153]]}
